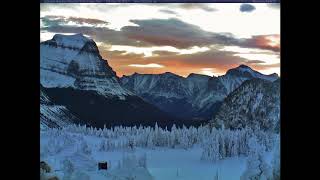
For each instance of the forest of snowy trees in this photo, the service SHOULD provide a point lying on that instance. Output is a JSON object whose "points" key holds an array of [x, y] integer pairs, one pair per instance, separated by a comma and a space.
{"points": [[217, 144]]}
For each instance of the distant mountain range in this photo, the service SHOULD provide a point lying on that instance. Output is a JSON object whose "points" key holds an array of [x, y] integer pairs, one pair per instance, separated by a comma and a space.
{"points": [[77, 83], [197, 96]]}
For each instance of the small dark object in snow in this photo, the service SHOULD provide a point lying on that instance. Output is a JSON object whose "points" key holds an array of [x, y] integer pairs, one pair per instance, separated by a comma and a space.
{"points": [[103, 165], [45, 167]]}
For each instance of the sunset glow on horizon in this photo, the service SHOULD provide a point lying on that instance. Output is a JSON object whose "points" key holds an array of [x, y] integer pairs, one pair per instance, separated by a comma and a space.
{"points": [[189, 38]]}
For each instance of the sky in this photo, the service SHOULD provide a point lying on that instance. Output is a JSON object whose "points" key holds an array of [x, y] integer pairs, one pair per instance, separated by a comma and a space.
{"points": [[179, 38]]}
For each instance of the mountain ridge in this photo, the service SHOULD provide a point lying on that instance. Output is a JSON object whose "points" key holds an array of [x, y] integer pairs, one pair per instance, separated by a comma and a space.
{"points": [[197, 95], [75, 77], [255, 103]]}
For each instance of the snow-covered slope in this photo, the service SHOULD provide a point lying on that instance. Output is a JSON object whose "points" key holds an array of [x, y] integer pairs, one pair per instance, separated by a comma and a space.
{"points": [[197, 96], [186, 154], [256, 103], [196, 82], [166, 85], [74, 61], [52, 115], [168, 91]]}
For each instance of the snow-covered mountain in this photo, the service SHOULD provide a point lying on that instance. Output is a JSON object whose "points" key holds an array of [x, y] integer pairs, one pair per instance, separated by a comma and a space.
{"points": [[167, 85], [74, 61], [197, 96], [77, 79], [234, 77], [256, 103], [74, 75], [220, 87]]}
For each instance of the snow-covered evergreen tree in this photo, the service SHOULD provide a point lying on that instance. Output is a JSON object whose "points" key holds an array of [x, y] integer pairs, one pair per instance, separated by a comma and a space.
{"points": [[252, 171], [107, 145], [184, 140], [172, 139], [276, 162], [257, 168], [211, 150], [150, 140], [234, 144], [131, 144], [84, 148], [222, 145], [255, 147]]}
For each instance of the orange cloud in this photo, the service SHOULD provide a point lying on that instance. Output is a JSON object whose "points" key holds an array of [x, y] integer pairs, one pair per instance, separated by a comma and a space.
{"points": [[270, 42], [152, 65], [181, 64]]}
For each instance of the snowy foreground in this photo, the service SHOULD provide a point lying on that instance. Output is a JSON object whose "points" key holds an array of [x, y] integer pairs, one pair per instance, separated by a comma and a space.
{"points": [[146, 153]]}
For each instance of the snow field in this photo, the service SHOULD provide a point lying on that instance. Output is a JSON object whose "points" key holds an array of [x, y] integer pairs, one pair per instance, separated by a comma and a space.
{"points": [[84, 151]]}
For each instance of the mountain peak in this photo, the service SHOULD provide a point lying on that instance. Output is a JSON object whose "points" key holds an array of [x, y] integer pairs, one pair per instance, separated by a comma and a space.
{"points": [[248, 72], [242, 66], [274, 75], [194, 76], [71, 41], [241, 70], [78, 36], [170, 74], [197, 75]]}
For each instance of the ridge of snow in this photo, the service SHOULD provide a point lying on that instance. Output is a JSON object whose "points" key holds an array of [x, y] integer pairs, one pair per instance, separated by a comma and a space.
{"points": [[255, 74], [76, 40]]}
